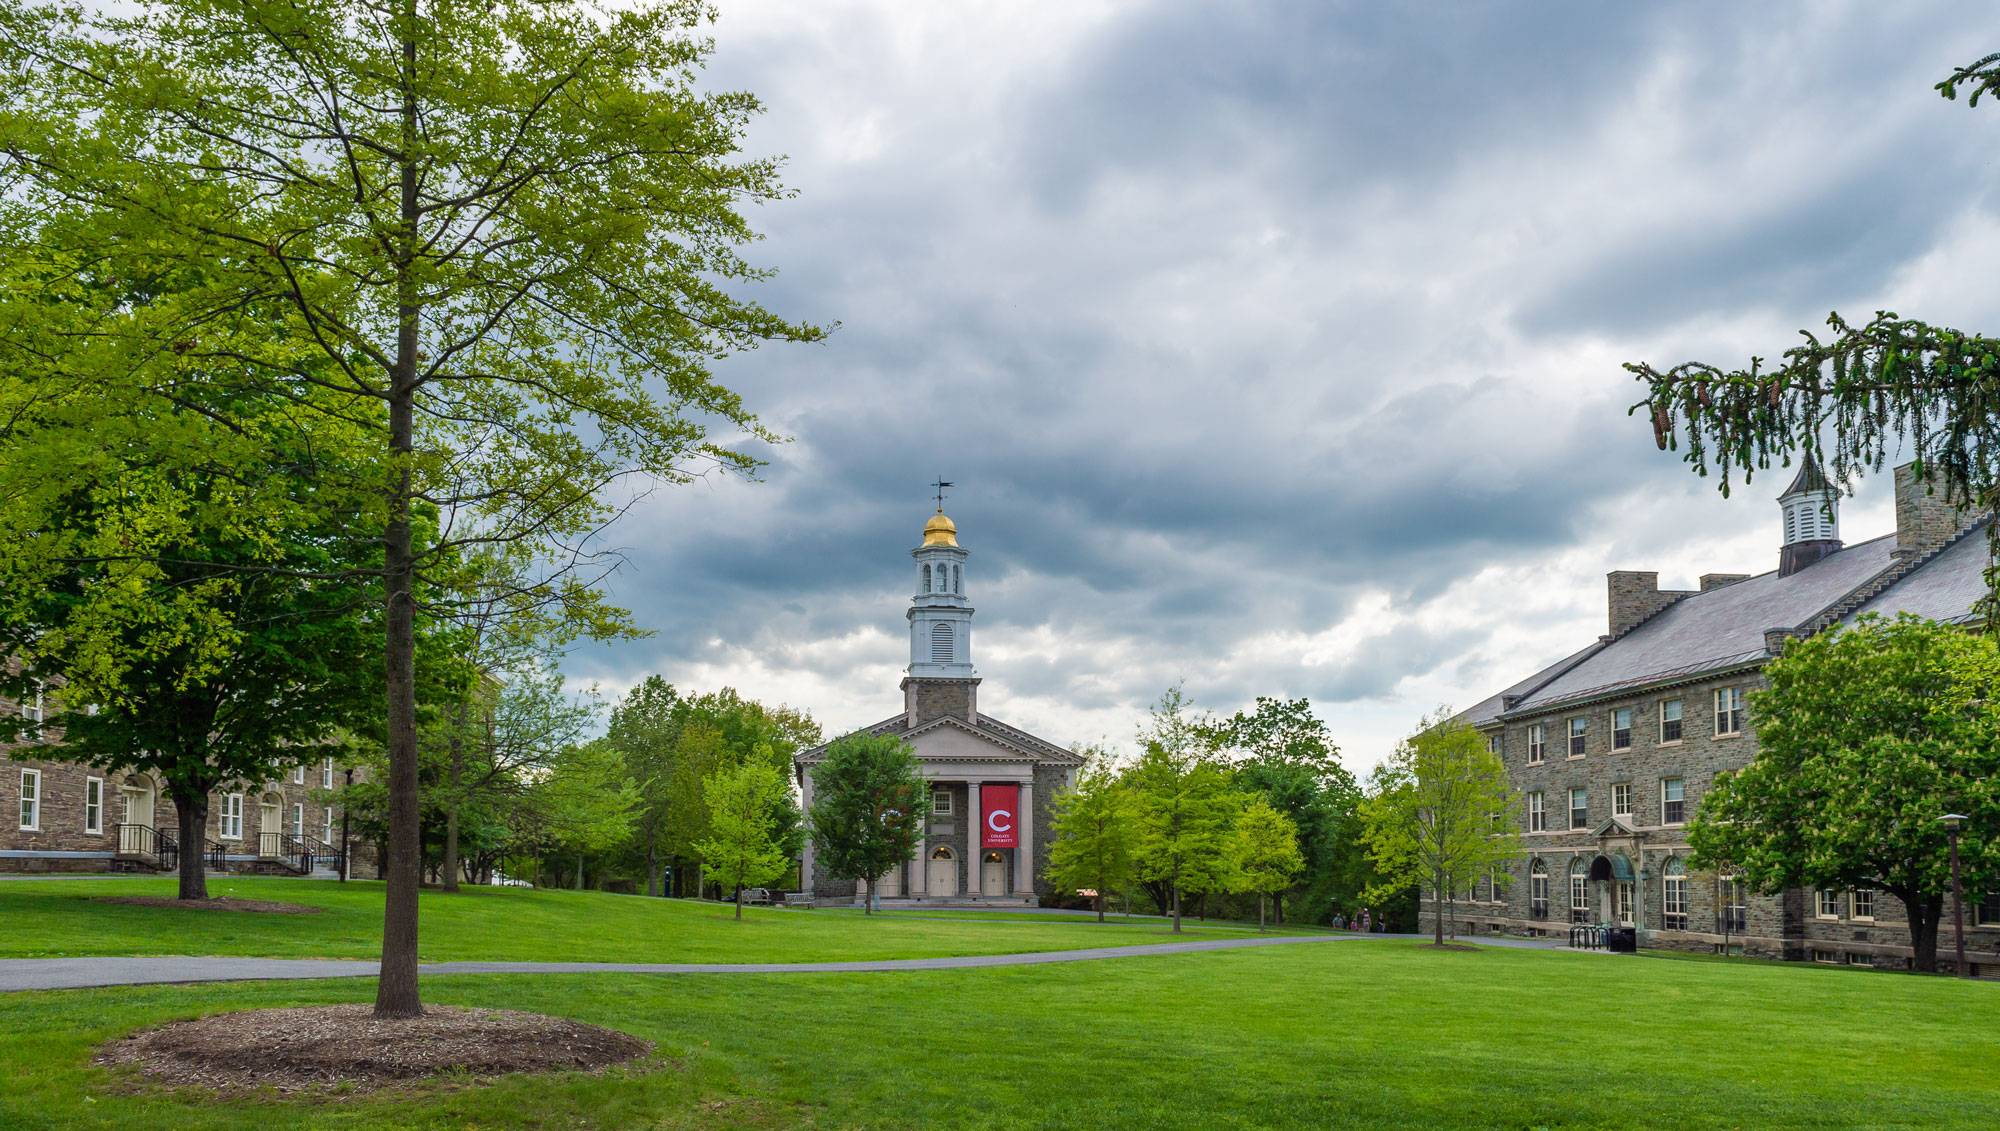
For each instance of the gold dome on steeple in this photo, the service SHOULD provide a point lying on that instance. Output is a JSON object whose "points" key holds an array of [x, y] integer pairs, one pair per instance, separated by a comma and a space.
{"points": [[940, 531]]}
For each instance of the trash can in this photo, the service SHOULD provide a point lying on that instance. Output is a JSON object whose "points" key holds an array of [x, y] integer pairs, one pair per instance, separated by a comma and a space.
{"points": [[1622, 940]]}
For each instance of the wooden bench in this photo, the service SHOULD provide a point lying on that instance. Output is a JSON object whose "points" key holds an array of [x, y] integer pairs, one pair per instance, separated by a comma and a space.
{"points": [[757, 895], [795, 899]]}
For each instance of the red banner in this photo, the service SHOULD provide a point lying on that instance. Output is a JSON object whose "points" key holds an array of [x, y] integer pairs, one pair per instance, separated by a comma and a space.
{"points": [[1001, 821]]}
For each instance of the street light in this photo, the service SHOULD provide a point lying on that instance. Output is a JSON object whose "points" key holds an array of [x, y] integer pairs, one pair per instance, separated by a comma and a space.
{"points": [[1952, 821]]}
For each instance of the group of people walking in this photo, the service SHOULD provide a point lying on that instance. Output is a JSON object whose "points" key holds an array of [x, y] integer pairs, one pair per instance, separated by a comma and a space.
{"points": [[1363, 922]]}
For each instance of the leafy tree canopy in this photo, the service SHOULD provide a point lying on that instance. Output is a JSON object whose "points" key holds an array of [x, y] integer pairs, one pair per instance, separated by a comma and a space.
{"points": [[869, 806]]}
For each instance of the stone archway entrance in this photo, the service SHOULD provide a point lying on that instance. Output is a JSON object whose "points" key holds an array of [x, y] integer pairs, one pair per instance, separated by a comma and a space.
{"points": [[993, 874], [941, 880], [1611, 877]]}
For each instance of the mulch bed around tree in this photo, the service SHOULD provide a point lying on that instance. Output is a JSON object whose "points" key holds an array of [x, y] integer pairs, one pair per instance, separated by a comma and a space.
{"points": [[345, 1046], [219, 903]]}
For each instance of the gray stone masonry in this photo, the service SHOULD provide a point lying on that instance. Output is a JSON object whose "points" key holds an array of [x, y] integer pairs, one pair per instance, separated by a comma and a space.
{"points": [[1636, 595], [1925, 519]]}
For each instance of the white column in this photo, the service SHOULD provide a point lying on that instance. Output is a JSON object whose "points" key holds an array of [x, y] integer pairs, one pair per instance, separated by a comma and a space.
{"points": [[920, 870], [1024, 852], [806, 859], [974, 863]]}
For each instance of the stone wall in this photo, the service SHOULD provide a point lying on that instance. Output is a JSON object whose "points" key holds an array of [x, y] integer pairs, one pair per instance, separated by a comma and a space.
{"points": [[1635, 595], [1925, 520]]}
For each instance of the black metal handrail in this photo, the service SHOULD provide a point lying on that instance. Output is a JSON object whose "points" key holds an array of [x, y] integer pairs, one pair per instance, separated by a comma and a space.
{"points": [[218, 856], [147, 844], [311, 850]]}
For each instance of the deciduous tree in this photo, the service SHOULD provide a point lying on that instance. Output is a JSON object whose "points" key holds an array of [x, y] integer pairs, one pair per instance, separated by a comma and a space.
{"points": [[745, 843], [1185, 809], [1096, 834], [1264, 852], [869, 807], [502, 235], [1865, 737], [1438, 815]]}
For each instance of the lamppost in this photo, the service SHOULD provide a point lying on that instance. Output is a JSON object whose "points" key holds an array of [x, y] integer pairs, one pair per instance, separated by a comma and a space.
{"points": [[1952, 821]]}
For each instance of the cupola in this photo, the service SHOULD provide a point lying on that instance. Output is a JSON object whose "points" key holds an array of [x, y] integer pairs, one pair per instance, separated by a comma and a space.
{"points": [[1812, 520]]}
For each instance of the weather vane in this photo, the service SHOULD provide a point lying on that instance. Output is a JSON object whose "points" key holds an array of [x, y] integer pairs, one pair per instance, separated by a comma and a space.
{"points": [[941, 486]]}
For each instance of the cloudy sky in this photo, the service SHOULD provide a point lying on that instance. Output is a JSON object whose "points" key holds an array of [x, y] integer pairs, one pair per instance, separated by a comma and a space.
{"points": [[1276, 347]]}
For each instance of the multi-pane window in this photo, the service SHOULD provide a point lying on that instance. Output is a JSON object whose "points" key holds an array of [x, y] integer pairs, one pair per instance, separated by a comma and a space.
{"points": [[1538, 890], [1579, 808], [1538, 818], [326, 824], [298, 775], [1579, 895], [1674, 896], [93, 805], [1829, 903], [1579, 728], [31, 707], [1734, 913], [1493, 743], [326, 773], [232, 817], [1537, 743], [31, 799], [1621, 729], [1621, 799], [940, 803], [1989, 910], [1624, 890], [298, 819], [1496, 886], [1670, 720], [1864, 903], [1673, 801], [1729, 710]]}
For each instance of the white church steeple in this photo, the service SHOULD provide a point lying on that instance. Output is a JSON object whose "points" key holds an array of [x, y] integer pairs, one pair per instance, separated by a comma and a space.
{"points": [[940, 617]]}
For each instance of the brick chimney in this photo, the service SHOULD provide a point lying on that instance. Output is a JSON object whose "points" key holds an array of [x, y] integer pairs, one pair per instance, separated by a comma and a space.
{"points": [[1636, 595], [1718, 580]]}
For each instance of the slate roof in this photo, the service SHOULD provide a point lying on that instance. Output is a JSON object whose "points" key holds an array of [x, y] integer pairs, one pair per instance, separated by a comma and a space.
{"points": [[1723, 629]]}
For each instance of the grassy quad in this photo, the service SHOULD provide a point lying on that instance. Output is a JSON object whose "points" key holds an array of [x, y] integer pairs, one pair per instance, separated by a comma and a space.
{"points": [[1351, 1033], [61, 918]]}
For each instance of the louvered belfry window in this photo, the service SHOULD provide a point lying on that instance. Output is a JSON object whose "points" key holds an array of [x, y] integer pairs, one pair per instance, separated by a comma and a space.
{"points": [[940, 644]]}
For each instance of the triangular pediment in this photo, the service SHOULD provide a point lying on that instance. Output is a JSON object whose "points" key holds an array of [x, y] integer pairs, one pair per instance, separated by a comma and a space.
{"points": [[1615, 828]]}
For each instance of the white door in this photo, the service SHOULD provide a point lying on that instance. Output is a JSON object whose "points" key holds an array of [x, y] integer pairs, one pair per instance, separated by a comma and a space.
{"points": [[134, 836], [942, 881], [890, 885], [993, 875]]}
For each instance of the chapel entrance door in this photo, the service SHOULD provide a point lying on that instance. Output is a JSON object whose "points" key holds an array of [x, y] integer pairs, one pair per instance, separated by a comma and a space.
{"points": [[993, 875], [942, 879]]}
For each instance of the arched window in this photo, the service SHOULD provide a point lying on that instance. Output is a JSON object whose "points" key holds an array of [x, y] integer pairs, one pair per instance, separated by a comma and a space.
{"points": [[1579, 891], [1538, 889], [942, 852], [957, 581], [941, 643], [1674, 893], [927, 579]]}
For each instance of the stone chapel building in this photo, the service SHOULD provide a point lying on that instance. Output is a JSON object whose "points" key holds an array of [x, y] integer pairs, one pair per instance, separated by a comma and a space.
{"points": [[1613, 746], [992, 785]]}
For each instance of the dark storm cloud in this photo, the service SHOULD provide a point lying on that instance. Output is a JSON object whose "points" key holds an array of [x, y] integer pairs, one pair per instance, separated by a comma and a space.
{"points": [[1254, 334]]}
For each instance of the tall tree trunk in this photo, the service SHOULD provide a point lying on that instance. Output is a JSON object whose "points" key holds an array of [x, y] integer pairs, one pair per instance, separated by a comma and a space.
{"points": [[1924, 913], [191, 813], [1260, 912], [739, 903], [1176, 888], [1437, 907], [652, 865], [1100, 903], [579, 871], [396, 992]]}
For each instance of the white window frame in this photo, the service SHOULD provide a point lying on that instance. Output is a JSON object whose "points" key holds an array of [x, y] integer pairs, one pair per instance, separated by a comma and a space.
{"points": [[1621, 799], [1538, 812], [1674, 900], [326, 773], [940, 803], [1579, 735], [1538, 889], [1537, 743], [1626, 729], [1579, 896], [1679, 720], [1665, 817], [1826, 903], [1493, 743], [32, 708], [1828, 957], [1622, 901], [1730, 714], [1735, 903], [298, 819], [1579, 815], [232, 818], [93, 806], [1861, 902], [326, 824], [299, 774], [31, 800]]}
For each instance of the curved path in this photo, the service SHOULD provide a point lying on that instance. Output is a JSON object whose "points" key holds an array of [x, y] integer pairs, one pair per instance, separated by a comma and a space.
{"points": [[78, 973]]}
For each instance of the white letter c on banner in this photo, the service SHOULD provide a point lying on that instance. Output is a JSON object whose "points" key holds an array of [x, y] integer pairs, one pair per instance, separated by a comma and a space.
{"points": [[993, 821]]}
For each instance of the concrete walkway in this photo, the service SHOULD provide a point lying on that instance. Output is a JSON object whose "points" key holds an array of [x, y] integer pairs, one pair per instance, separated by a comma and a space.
{"points": [[77, 973]]}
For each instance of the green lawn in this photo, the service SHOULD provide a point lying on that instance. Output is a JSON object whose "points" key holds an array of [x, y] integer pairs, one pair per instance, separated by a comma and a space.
{"points": [[1367, 1033], [42, 919]]}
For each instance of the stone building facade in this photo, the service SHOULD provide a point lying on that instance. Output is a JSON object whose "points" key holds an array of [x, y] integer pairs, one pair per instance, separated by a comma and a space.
{"points": [[58, 816], [1612, 747], [992, 785]]}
